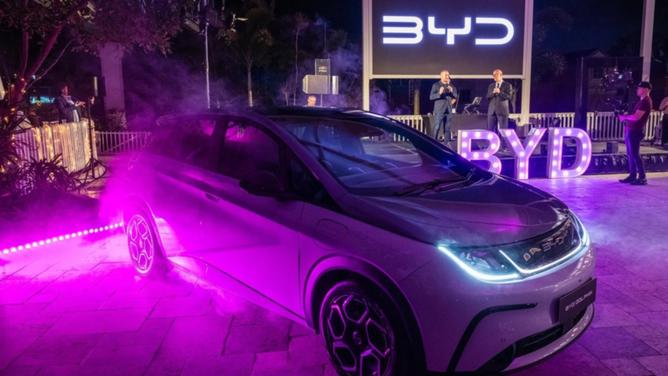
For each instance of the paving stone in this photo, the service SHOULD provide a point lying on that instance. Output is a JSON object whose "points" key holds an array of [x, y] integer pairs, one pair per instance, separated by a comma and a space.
{"points": [[83, 311], [100, 321], [307, 351], [614, 342], [658, 365], [69, 349], [221, 365], [297, 330], [612, 315], [573, 361], [181, 306], [626, 367], [264, 336]]}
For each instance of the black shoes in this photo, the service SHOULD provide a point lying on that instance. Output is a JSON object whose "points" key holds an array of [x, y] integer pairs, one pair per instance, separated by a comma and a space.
{"points": [[633, 180], [641, 181]]}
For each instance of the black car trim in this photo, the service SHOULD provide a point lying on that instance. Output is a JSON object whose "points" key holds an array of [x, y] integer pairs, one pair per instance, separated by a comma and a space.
{"points": [[468, 333]]}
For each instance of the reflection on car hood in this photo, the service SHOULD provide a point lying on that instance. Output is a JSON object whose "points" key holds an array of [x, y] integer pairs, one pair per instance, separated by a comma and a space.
{"points": [[495, 211]]}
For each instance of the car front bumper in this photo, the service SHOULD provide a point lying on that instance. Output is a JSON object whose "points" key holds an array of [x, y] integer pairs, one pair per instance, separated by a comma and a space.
{"points": [[470, 326]]}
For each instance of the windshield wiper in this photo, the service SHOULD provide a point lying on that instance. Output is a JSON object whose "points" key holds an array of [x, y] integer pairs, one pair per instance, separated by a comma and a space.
{"points": [[417, 189], [420, 188]]}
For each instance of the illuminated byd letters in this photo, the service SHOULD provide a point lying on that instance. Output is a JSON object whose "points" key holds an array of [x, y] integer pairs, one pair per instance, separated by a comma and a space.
{"points": [[582, 155], [415, 27], [522, 153], [415, 30], [465, 147], [510, 31], [452, 32]]}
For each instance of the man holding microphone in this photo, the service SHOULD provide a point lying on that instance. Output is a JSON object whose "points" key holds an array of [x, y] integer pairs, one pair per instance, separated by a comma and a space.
{"points": [[499, 94], [444, 95]]}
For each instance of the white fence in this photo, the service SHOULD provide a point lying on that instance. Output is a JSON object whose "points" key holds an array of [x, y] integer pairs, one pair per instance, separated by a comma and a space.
{"points": [[120, 142], [601, 126], [70, 140]]}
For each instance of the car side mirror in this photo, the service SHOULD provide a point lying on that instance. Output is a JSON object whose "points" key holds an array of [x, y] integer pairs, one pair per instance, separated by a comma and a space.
{"points": [[262, 183]]}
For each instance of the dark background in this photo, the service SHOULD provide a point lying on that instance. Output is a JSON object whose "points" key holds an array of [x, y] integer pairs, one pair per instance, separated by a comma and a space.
{"points": [[564, 31]]}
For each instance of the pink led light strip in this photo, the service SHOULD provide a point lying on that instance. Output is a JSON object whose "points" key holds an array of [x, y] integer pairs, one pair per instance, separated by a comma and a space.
{"points": [[55, 239]]}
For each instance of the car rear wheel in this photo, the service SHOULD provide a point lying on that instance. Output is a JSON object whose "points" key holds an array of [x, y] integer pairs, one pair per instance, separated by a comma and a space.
{"points": [[363, 332], [145, 252]]}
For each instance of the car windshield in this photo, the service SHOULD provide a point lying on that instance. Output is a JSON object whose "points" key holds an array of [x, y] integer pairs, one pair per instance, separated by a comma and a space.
{"points": [[378, 157]]}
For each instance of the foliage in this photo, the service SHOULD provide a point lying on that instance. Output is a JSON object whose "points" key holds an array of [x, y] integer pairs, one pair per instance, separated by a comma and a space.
{"points": [[549, 22], [249, 43], [41, 20], [146, 24]]}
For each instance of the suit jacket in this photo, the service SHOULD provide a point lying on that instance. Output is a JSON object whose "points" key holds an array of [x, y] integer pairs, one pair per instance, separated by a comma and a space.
{"points": [[498, 103], [443, 102], [65, 109]]}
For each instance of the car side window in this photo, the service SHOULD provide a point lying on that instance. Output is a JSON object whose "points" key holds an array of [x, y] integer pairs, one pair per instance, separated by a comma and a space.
{"points": [[247, 148], [306, 186], [186, 139]]}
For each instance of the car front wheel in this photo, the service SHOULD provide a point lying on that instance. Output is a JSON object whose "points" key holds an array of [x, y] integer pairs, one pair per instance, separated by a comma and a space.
{"points": [[145, 252], [363, 332]]}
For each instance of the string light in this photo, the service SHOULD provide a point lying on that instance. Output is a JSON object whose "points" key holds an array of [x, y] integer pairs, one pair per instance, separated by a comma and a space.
{"points": [[60, 238]]}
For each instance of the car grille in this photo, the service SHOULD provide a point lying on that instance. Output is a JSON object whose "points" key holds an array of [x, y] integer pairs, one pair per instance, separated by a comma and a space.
{"points": [[542, 250]]}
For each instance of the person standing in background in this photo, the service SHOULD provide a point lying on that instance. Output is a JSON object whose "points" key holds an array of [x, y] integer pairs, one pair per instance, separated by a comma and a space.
{"points": [[68, 108], [499, 94], [634, 132], [444, 94], [311, 101]]}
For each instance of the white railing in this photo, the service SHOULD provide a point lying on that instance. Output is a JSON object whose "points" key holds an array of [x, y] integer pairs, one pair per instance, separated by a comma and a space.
{"points": [[601, 126], [414, 121], [120, 142], [70, 140]]}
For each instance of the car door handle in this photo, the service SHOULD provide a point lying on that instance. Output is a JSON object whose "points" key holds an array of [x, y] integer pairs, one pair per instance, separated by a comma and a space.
{"points": [[211, 197]]}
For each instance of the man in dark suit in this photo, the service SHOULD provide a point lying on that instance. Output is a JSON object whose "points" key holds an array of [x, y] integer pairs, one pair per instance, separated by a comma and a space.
{"points": [[499, 94], [68, 108], [444, 94]]}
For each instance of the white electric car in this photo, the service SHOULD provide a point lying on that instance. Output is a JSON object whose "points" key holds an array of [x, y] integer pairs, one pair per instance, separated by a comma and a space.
{"points": [[407, 258]]}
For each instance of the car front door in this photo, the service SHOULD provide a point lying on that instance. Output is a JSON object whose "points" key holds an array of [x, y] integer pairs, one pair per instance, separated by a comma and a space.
{"points": [[251, 237]]}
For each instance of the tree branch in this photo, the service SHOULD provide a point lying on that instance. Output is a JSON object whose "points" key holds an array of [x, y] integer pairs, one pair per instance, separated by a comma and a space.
{"points": [[46, 49], [25, 50], [53, 64]]}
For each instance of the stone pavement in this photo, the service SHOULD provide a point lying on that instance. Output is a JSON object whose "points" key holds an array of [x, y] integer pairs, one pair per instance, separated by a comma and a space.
{"points": [[78, 308]]}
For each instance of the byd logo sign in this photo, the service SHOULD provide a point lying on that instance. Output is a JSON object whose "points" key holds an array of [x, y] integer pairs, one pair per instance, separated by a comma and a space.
{"points": [[522, 152], [411, 31]]}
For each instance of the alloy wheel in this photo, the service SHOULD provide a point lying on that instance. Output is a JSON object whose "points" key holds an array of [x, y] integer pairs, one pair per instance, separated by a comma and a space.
{"points": [[359, 336], [141, 243]]}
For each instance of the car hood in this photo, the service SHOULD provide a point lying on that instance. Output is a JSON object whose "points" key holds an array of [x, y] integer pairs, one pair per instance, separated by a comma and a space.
{"points": [[492, 211]]}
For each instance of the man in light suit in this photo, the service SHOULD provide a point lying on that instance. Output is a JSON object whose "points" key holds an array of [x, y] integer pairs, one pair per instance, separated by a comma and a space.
{"points": [[499, 94], [444, 94]]}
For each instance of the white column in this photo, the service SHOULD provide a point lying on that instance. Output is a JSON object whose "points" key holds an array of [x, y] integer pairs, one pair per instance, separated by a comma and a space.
{"points": [[111, 64], [526, 82], [646, 41], [366, 53]]}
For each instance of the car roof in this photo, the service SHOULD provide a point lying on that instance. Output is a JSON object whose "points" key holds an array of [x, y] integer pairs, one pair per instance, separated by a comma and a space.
{"points": [[331, 112]]}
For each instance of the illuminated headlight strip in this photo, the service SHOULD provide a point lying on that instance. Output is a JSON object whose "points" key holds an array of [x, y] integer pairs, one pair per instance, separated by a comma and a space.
{"points": [[584, 245], [493, 278], [60, 238]]}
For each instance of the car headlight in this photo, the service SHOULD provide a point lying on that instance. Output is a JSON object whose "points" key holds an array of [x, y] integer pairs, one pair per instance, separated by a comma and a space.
{"points": [[504, 264], [483, 264]]}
